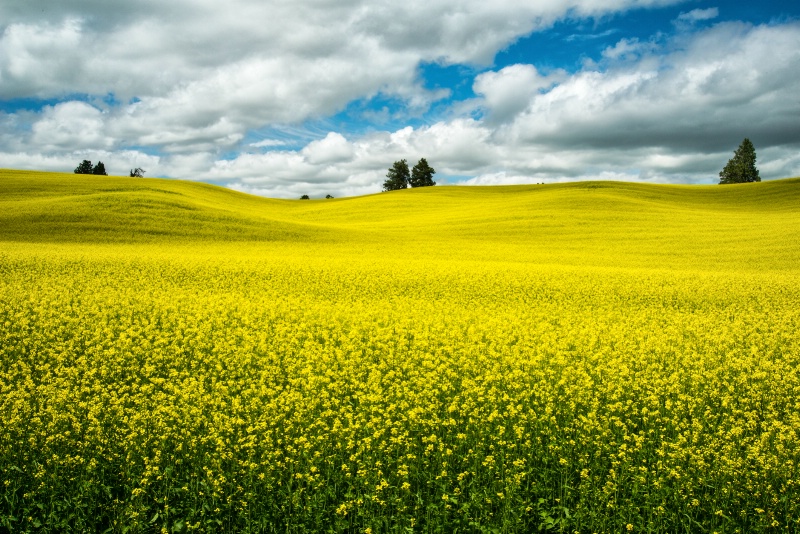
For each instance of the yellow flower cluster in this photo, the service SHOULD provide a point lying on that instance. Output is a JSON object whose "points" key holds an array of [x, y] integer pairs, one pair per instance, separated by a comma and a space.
{"points": [[571, 358], [142, 388]]}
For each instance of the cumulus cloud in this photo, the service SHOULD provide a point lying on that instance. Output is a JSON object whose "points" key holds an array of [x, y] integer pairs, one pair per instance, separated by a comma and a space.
{"points": [[40, 60], [178, 88], [205, 72], [509, 90], [71, 125], [672, 115], [334, 148], [725, 83]]}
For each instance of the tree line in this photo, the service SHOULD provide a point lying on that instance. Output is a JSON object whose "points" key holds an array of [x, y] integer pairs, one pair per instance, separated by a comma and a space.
{"points": [[399, 177], [741, 168], [85, 167]]}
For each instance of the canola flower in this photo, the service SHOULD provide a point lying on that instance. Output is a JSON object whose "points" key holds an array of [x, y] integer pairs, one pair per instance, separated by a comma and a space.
{"points": [[353, 387], [234, 398]]}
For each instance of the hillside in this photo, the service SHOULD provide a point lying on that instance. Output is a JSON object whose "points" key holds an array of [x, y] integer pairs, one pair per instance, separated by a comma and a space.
{"points": [[751, 225], [584, 357]]}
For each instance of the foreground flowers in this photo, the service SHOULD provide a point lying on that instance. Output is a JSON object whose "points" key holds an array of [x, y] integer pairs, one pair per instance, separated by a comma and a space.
{"points": [[295, 388]]}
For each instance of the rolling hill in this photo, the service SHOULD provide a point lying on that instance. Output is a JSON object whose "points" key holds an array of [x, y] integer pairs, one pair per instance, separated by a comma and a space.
{"points": [[590, 357], [751, 226]]}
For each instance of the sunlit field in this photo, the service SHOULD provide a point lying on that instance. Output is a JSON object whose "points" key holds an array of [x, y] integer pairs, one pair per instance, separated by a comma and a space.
{"points": [[585, 357]]}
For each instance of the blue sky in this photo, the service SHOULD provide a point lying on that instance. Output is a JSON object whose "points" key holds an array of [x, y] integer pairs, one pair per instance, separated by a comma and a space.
{"points": [[284, 99]]}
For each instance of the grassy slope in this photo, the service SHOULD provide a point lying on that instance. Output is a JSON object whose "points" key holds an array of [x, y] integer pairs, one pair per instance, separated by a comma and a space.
{"points": [[586, 223]]}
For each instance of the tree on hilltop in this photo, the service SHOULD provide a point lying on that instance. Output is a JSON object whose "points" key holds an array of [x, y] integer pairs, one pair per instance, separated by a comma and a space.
{"points": [[397, 177], [85, 167], [138, 172], [100, 169], [741, 168], [422, 174]]}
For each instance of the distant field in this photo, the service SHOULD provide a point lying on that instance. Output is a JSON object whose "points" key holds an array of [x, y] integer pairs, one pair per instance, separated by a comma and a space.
{"points": [[590, 357]]}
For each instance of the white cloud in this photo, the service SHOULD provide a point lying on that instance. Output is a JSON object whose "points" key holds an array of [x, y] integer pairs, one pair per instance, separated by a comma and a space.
{"points": [[673, 117], [40, 60], [501, 178], [206, 72], [266, 143], [697, 15], [509, 90], [334, 148], [629, 50], [71, 125], [688, 20], [192, 78], [725, 83]]}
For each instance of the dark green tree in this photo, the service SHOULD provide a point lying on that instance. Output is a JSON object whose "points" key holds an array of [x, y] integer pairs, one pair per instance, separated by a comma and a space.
{"points": [[304, 197], [422, 174], [328, 196], [100, 169], [138, 172], [85, 167], [741, 167], [397, 177]]}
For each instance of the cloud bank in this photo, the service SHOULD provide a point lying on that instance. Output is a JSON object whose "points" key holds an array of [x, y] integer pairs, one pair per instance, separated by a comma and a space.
{"points": [[179, 89]]}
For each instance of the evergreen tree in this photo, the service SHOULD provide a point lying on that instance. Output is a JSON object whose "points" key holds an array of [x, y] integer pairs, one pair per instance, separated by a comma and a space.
{"points": [[422, 174], [397, 177], [85, 167], [100, 169], [741, 167]]}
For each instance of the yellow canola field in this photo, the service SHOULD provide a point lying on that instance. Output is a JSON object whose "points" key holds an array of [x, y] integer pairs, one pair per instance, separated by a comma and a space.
{"points": [[577, 358]]}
